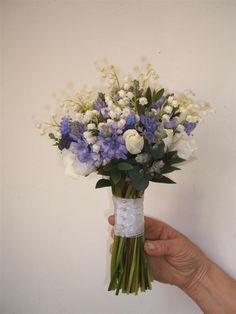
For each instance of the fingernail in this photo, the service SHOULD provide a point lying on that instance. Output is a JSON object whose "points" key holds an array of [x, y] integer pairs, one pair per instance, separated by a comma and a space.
{"points": [[150, 245]]}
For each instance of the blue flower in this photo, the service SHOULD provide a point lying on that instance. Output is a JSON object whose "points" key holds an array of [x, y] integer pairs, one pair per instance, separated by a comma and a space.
{"points": [[150, 125], [160, 102], [83, 152], [65, 125], [170, 124], [130, 121], [99, 103], [112, 147], [189, 127]]}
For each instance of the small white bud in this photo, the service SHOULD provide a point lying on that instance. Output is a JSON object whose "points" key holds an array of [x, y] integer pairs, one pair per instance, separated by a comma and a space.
{"points": [[168, 109], [143, 101], [126, 86], [91, 126], [130, 95], [174, 103], [121, 93], [170, 99], [121, 102], [165, 117]]}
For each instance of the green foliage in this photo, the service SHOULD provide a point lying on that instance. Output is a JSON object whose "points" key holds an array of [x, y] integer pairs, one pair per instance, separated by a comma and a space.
{"points": [[162, 179], [103, 183], [148, 95], [158, 153], [158, 95]]}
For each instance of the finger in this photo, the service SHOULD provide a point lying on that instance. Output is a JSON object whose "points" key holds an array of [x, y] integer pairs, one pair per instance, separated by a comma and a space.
{"points": [[156, 229], [160, 247], [111, 220]]}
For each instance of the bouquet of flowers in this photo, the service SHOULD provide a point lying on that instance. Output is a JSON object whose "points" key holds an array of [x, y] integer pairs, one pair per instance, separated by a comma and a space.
{"points": [[131, 133]]}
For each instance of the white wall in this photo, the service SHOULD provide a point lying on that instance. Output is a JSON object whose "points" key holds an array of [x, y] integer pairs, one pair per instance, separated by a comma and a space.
{"points": [[54, 230]]}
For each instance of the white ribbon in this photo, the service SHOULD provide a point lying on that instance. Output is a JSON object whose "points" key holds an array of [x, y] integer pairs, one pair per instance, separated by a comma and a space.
{"points": [[129, 219]]}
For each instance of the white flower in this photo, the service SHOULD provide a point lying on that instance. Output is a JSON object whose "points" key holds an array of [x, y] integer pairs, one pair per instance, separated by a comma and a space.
{"points": [[126, 86], [186, 147], [121, 123], [130, 95], [91, 126], [170, 99], [96, 148], [133, 141], [174, 103], [73, 167], [143, 101], [169, 139], [165, 117], [168, 109], [122, 93], [121, 102]]}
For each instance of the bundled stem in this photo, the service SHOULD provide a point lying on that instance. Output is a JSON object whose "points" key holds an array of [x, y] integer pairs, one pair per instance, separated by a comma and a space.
{"points": [[130, 268]]}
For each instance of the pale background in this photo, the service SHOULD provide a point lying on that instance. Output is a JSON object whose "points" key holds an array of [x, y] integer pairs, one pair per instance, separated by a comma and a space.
{"points": [[54, 231]]}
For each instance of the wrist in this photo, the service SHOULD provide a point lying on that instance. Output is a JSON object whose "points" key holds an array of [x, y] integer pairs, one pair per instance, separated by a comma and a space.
{"points": [[213, 290]]}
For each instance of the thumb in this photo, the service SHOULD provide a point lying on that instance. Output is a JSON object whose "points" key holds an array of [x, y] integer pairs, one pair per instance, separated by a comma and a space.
{"points": [[160, 247]]}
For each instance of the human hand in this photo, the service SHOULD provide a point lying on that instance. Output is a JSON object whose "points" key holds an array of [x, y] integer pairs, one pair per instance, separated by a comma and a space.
{"points": [[174, 258]]}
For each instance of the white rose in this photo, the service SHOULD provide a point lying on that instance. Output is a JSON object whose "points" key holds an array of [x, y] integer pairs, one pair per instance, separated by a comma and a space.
{"points": [[133, 141], [73, 167]]}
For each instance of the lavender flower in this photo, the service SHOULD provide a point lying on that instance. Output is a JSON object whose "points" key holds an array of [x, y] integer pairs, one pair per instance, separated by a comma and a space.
{"points": [[100, 102], [189, 127], [112, 147], [150, 125], [160, 102], [170, 124], [65, 125], [130, 121]]}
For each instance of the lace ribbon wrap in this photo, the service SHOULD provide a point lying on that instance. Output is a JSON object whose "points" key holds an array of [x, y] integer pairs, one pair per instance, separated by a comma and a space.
{"points": [[129, 218]]}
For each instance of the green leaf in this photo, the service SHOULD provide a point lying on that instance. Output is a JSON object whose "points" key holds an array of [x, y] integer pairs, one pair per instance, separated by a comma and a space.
{"points": [[169, 169], [158, 153], [103, 172], [109, 167], [176, 160], [115, 175], [158, 95], [141, 109], [102, 183], [149, 95], [162, 179], [140, 184], [124, 166], [134, 173]]}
